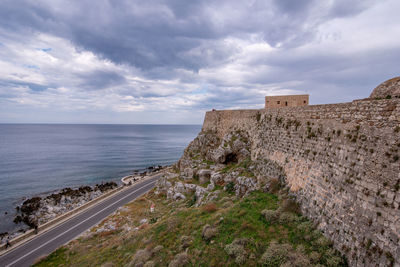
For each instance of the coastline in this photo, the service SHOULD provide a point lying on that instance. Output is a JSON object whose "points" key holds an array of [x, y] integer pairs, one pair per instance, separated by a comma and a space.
{"points": [[43, 208]]}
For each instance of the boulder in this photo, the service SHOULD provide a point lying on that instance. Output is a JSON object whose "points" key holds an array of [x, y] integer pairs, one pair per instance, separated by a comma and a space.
{"points": [[218, 155], [213, 196], [188, 173], [170, 193], [190, 187], [179, 196], [179, 187], [204, 176], [200, 192], [162, 185], [245, 185], [216, 178]]}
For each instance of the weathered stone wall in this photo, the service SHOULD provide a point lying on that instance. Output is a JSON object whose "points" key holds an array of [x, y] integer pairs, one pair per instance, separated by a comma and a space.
{"points": [[341, 161], [387, 89]]}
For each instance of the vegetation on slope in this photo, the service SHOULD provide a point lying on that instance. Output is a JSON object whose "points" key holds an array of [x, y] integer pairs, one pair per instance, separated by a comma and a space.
{"points": [[257, 230], [207, 213]]}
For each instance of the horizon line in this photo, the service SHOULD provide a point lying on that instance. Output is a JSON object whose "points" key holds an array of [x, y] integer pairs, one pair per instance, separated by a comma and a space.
{"points": [[62, 123]]}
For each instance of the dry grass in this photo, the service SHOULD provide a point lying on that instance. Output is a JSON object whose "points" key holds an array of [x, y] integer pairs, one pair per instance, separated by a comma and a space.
{"points": [[210, 208]]}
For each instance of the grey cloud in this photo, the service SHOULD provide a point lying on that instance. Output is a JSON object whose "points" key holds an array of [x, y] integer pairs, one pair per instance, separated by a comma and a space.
{"points": [[34, 87], [293, 7], [161, 51], [162, 34], [342, 8], [100, 79]]}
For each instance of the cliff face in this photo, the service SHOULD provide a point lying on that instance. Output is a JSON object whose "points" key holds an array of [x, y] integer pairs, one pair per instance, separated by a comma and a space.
{"points": [[341, 161]]}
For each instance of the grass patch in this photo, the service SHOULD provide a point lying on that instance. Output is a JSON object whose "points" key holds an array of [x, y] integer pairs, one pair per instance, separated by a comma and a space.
{"points": [[241, 220]]}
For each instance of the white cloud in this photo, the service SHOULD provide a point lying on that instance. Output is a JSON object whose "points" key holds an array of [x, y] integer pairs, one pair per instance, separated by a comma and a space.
{"points": [[155, 63]]}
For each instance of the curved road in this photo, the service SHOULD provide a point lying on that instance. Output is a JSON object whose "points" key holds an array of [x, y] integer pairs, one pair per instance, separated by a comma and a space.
{"points": [[47, 242]]}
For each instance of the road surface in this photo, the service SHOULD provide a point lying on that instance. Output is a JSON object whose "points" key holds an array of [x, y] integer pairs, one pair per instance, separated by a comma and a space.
{"points": [[47, 242]]}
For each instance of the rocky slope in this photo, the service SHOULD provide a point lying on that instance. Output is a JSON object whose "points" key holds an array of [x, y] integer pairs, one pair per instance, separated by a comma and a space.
{"points": [[214, 209]]}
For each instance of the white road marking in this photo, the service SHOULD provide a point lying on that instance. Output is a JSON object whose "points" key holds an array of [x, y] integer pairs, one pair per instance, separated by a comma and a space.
{"points": [[54, 238]]}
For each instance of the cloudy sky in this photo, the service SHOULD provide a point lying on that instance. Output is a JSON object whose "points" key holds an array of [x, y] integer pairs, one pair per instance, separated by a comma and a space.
{"points": [[160, 61]]}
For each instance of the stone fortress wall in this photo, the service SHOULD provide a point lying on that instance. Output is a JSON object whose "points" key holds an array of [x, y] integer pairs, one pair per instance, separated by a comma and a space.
{"points": [[286, 101], [342, 163]]}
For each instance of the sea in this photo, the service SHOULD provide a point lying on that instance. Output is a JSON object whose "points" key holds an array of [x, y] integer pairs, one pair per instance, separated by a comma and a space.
{"points": [[37, 159]]}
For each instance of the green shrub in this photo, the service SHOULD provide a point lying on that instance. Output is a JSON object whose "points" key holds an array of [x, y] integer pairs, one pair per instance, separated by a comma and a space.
{"points": [[192, 201], [230, 187], [305, 227], [237, 250], [179, 260], [276, 254], [287, 217], [332, 258], [322, 242], [271, 216]]}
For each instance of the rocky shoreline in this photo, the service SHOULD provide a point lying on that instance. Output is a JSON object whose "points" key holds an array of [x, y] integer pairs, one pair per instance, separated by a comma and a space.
{"points": [[43, 208]]}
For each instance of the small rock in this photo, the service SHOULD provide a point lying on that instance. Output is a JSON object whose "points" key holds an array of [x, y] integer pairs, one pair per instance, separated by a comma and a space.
{"points": [[210, 187]]}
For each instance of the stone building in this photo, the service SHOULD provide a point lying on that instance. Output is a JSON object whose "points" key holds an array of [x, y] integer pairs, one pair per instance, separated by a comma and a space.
{"points": [[286, 101]]}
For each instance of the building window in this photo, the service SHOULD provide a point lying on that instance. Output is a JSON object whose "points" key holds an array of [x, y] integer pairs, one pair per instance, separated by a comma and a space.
{"points": [[279, 102], [286, 103], [305, 101]]}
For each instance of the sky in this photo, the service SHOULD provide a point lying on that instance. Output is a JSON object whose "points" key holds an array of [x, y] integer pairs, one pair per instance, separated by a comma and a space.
{"points": [[167, 62]]}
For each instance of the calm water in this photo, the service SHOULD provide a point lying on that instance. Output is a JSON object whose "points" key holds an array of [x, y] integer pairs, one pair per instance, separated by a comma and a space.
{"points": [[39, 158]]}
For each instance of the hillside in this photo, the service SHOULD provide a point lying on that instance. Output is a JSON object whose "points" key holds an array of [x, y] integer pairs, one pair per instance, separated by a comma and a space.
{"points": [[204, 217]]}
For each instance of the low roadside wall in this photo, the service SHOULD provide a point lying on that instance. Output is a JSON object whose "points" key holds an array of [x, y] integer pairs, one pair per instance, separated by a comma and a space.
{"points": [[48, 225]]}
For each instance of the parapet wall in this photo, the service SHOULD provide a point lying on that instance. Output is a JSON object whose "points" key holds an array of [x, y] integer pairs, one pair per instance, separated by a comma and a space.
{"points": [[341, 161], [286, 101]]}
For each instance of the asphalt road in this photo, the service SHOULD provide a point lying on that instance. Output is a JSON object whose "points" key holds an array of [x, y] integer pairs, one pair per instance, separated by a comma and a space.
{"points": [[47, 242]]}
